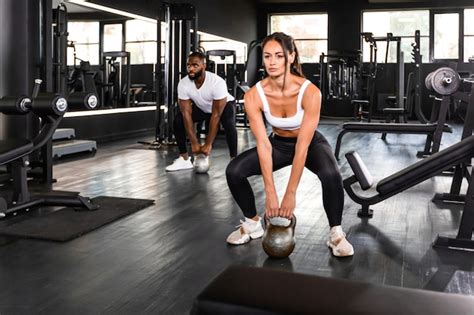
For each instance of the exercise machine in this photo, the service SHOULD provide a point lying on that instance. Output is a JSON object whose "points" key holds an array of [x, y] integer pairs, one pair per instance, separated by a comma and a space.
{"points": [[339, 74], [50, 108], [366, 108], [433, 130], [458, 156], [180, 39]]}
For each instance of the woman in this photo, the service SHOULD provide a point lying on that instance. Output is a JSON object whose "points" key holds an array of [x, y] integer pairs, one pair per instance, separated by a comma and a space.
{"points": [[291, 105]]}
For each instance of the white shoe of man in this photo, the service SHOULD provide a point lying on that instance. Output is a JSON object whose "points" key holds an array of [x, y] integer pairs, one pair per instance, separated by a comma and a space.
{"points": [[180, 164]]}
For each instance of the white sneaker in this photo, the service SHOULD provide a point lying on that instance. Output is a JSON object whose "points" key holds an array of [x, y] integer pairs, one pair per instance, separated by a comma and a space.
{"points": [[180, 164], [338, 243], [247, 230]]}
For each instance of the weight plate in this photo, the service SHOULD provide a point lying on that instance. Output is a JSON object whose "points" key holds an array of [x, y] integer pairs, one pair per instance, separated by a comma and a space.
{"points": [[445, 81], [428, 81]]}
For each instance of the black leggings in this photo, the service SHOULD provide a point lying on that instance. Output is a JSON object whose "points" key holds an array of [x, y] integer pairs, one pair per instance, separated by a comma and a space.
{"points": [[227, 121], [320, 160]]}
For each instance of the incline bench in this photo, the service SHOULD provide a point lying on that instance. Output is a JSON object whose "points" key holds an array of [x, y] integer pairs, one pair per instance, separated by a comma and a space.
{"points": [[457, 154]]}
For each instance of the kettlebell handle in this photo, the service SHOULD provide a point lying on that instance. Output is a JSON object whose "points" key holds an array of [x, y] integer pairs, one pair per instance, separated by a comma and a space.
{"points": [[292, 221]]}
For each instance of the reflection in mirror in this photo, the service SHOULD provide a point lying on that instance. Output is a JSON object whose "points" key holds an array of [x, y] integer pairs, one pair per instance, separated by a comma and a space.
{"points": [[95, 29]]}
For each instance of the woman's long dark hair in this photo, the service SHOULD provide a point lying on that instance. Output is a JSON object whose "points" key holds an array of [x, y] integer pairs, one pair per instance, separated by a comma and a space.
{"points": [[288, 44]]}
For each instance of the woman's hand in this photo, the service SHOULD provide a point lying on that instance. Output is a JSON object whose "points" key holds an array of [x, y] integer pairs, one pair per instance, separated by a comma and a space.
{"points": [[271, 205], [287, 206]]}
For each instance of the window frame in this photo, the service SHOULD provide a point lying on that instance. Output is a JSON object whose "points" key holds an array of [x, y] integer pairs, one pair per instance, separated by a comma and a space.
{"points": [[412, 36], [99, 44], [459, 11], [154, 41], [101, 35]]}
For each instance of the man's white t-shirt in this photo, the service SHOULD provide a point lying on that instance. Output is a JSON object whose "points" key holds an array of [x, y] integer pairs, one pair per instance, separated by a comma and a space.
{"points": [[213, 88]]}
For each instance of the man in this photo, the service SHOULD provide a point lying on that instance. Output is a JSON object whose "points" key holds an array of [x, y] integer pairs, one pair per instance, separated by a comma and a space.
{"points": [[202, 96]]}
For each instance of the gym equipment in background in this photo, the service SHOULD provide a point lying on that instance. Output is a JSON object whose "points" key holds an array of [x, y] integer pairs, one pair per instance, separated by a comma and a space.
{"points": [[433, 130], [225, 69], [180, 39], [79, 89], [339, 74], [365, 108], [459, 155], [14, 152], [116, 72]]}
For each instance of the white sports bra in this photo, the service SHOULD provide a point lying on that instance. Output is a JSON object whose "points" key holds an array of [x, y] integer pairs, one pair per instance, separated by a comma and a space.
{"points": [[287, 123]]}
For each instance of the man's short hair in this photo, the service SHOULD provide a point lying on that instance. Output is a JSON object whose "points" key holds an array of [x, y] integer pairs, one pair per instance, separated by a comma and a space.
{"points": [[199, 55]]}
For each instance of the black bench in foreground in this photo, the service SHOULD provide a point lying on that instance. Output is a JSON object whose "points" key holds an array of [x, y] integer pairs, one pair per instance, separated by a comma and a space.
{"points": [[251, 290]]}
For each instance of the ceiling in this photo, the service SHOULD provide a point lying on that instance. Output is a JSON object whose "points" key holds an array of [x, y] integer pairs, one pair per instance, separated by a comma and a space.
{"points": [[72, 7], [78, 9]]}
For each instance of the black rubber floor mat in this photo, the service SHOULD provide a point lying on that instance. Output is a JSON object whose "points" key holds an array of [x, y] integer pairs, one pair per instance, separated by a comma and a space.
{"points": [[66, 224]]}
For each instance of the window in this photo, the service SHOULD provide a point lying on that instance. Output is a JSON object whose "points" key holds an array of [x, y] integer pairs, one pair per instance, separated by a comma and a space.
{"points": [[310, 32], [212, 42], [112, 37], [402, 24], [468, 34], [85, 36], [446, 36], [141, 41]]}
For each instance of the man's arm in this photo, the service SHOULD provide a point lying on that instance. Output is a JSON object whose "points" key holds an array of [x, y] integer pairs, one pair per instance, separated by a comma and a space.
{"points": [[217, 109], [186, 110]]}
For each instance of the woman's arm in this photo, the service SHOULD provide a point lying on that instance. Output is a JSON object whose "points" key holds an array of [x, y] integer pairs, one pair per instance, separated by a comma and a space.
{"points": [[311, 104], [264, 150]]}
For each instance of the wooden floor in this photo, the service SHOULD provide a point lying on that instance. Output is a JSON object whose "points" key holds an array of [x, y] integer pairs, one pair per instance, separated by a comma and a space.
{"points": [[160, 258]]}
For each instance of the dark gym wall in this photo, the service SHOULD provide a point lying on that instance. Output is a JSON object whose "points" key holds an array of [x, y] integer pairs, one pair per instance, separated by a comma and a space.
{"points": [[20, 61]]}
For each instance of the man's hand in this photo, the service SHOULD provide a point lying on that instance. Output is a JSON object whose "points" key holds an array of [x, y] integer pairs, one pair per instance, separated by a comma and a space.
{"points": [[196, 148], [206, 149]]}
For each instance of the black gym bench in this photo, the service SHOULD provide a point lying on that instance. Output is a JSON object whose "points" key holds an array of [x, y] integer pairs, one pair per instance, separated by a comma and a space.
{"points": [[251, 290], [455, 155], [443, 81], [433, 130]]}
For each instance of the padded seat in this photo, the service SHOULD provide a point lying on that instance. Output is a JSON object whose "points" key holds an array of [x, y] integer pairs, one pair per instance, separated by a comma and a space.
{"points": [[393, 127], [250, 290], [11, 149], [427, 168], [393, 110]]}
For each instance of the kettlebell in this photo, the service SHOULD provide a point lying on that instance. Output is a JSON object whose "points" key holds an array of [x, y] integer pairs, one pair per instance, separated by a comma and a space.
{"points": [[279, 241], [201, 164]]}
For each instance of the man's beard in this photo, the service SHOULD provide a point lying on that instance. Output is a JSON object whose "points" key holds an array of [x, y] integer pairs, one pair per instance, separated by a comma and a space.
{"points": [[197, 75]]}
